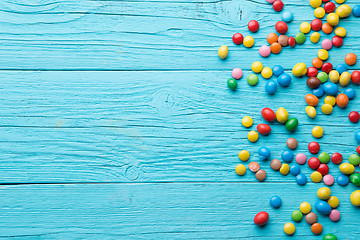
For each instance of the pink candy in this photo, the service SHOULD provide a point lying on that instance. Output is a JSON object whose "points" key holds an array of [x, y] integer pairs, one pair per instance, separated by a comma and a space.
{"points": [[328, 179], [264, 51], [270, 1], [334, 215], [236, 73], [300, 158], [326, 44]]}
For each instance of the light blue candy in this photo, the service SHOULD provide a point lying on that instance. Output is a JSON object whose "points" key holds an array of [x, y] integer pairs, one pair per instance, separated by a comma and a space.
{"points": [[287, 16], [295, 169], [350, 92], [278, 70], [330, 88], [275, 201], [318, 92], [322, 207], [341, 68], [356, 11], [287, 156], [301, 179], [270, 87], [264, 153], [284, 79], [357, 136]]}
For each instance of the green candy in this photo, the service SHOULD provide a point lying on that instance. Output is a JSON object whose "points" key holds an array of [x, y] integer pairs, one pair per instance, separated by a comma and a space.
{"points": [[329, 237], [291, 124], [322, 76], [354, 159], [252, 79], [355, 179], [324, 157], [232, 84], [296, 216], [300, 38]]}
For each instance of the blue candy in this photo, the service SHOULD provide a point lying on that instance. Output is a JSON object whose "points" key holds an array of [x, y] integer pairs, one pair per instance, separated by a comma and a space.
{"points": [[356, 11], [341, 68], [295, 169], [278, 70], [275, 201], [357, 136], [287, 16], [287, 156], [270, 87], [330, 88], [264, 153], [342, 179], [322, 207], [301, 179], [318, 92], [350, 92], [284, 79]]}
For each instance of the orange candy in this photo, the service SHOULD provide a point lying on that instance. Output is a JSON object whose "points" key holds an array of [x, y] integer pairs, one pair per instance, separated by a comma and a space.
{"points": [[275, 48], [350, 59], [311, 100], [327, 28], [316, 228], [342, 100], [272, 38], [317, 62]]}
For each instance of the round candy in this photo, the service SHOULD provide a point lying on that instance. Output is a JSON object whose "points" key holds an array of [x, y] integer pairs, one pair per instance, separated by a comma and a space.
{"points": [[264, 153], [336, 158], [296, 216], [327, 28], [291, 143], [287, 156], [314, 147], [289, 228], [253, 26], [236, 73], [330, 88], [350, 92], [256, 67], [312, 72], [328, 180], [268, 114], [278, 5], [342, 100], [333, 202], [316, 177], [272, 37], [317, 131], [314, 163], [350, 59], [244, 155], [355, 77], [358, 150], [281, 27], [347, 168], [337, 41], [326, 44], [334, 215], [357, 136], [305, 207], [310, 111], [295, 169], [232, 84], [322, 207], [264, 51], [355, 198], [340, 32], [316, 25], [341, 68], [345, 78], [223, 51], [326, 109], [238, 38], [270, 87], [291, 124], [315, 37], [254, 167], [330, 100], [261, 218], [287, 16], [266, 72], [275, 201], [240, 170], [253, 136], [282, 115], [324, 157], [311, 100], [329, 7], [324, 193], [317, 62], [300, 38], [275, 164], [356, 11], [354, 117], [318, 92], [305, 27], [291, 41], [316, 228], [315, 3], [342, 179], [323, 169], [334, 76], [343, 11], [300, 158], [323, 54], [252, 79], [263, 129], [299, 69], [322, 76], [284, 169], [260, 175], [355, 179], [319, 12], [283, 40], [301, 179], [278, 70], [354, 159], [329, 237], [311, 218], [248, 41], [284, 79], [332, 19], [247, 121], [275, 48]]}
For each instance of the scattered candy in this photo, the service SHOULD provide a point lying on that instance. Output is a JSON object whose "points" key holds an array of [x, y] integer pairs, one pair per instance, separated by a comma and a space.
{"points": [[284, 169], [317, 228], [327, 28], [240, 170], [355, 198], [283, 40], [319, 12], [275, 164], [291, 143], [333, 202], [347, 168], [278, 5], [301, 179], [317, 132], [261, 218], [315, 37], [314, 147], [300, 38], [324, 157], [314, 163], [254, 167], [340, 32], [322, 207], [345, 78], [330, 88], [291, 124], [310, 111], [311, 218], [330, 100], [287, 156], [281, 27], [326, 44], [287, 16], [247, 121], [305, 207], [264, 51], [256, 67], [329, 7], [253, 26], [275, 48], [282, 115], [333, 19], [336, 158], [248, 41], [264, 153], [299, 69], [300, 158], [322, 76], [350, 59], [296, 216], [323, 169], [316, 177], [289, 228], [266, 72], [324, 193], [284, 80], [295, 169], [253, 136], [342, 100], [311, 100], [354, 159], [343, 11], [350, 92], [354, 117], [275, 201], [252, 79], [270, 87], [355, 179], [232, 84], [260, 175], [329, 237], [238, 38], [278, 70], [328, 180], [236, 73], [244, 155], [334, 215], [355, 77], [268, 114], [356, 11], [326, 109], [342, 179]]}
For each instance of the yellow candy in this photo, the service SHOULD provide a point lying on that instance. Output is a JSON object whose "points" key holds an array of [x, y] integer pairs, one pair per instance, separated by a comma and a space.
{"points": [[343, 11], [317, 132], [332, 19], [345, 78], [256, 67], [266, 72], [223, 51], [315, 3], [334, 76], [282, 115], [305, 207], [324, 193], [289, 228], [333, 202], [355, 198], [323, 54], [253, 136], [299, 69], [244, 155], [240, 170], [315, 37], [339, 1], [310, 111], [247, 121], [340, 31], [330, 100], [248, 41], [326, 109], [305, 27], [316, 177], [319, 12], [284, 169], [347, 168]]}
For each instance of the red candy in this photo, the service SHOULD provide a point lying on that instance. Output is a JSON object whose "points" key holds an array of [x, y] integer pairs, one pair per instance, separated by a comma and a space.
{"points": [[281, 27], [354, 117], [358, 150], [337, 41], [355, 77], [291, 41], [329, 7], [253, 26], [278, 5], [314, 147], [312, 72], [323, 169], [263, 129], [316, 25], [238, 38], [336, 158], [261, 218], [268, 114], [327, 67], [314, 163]]}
